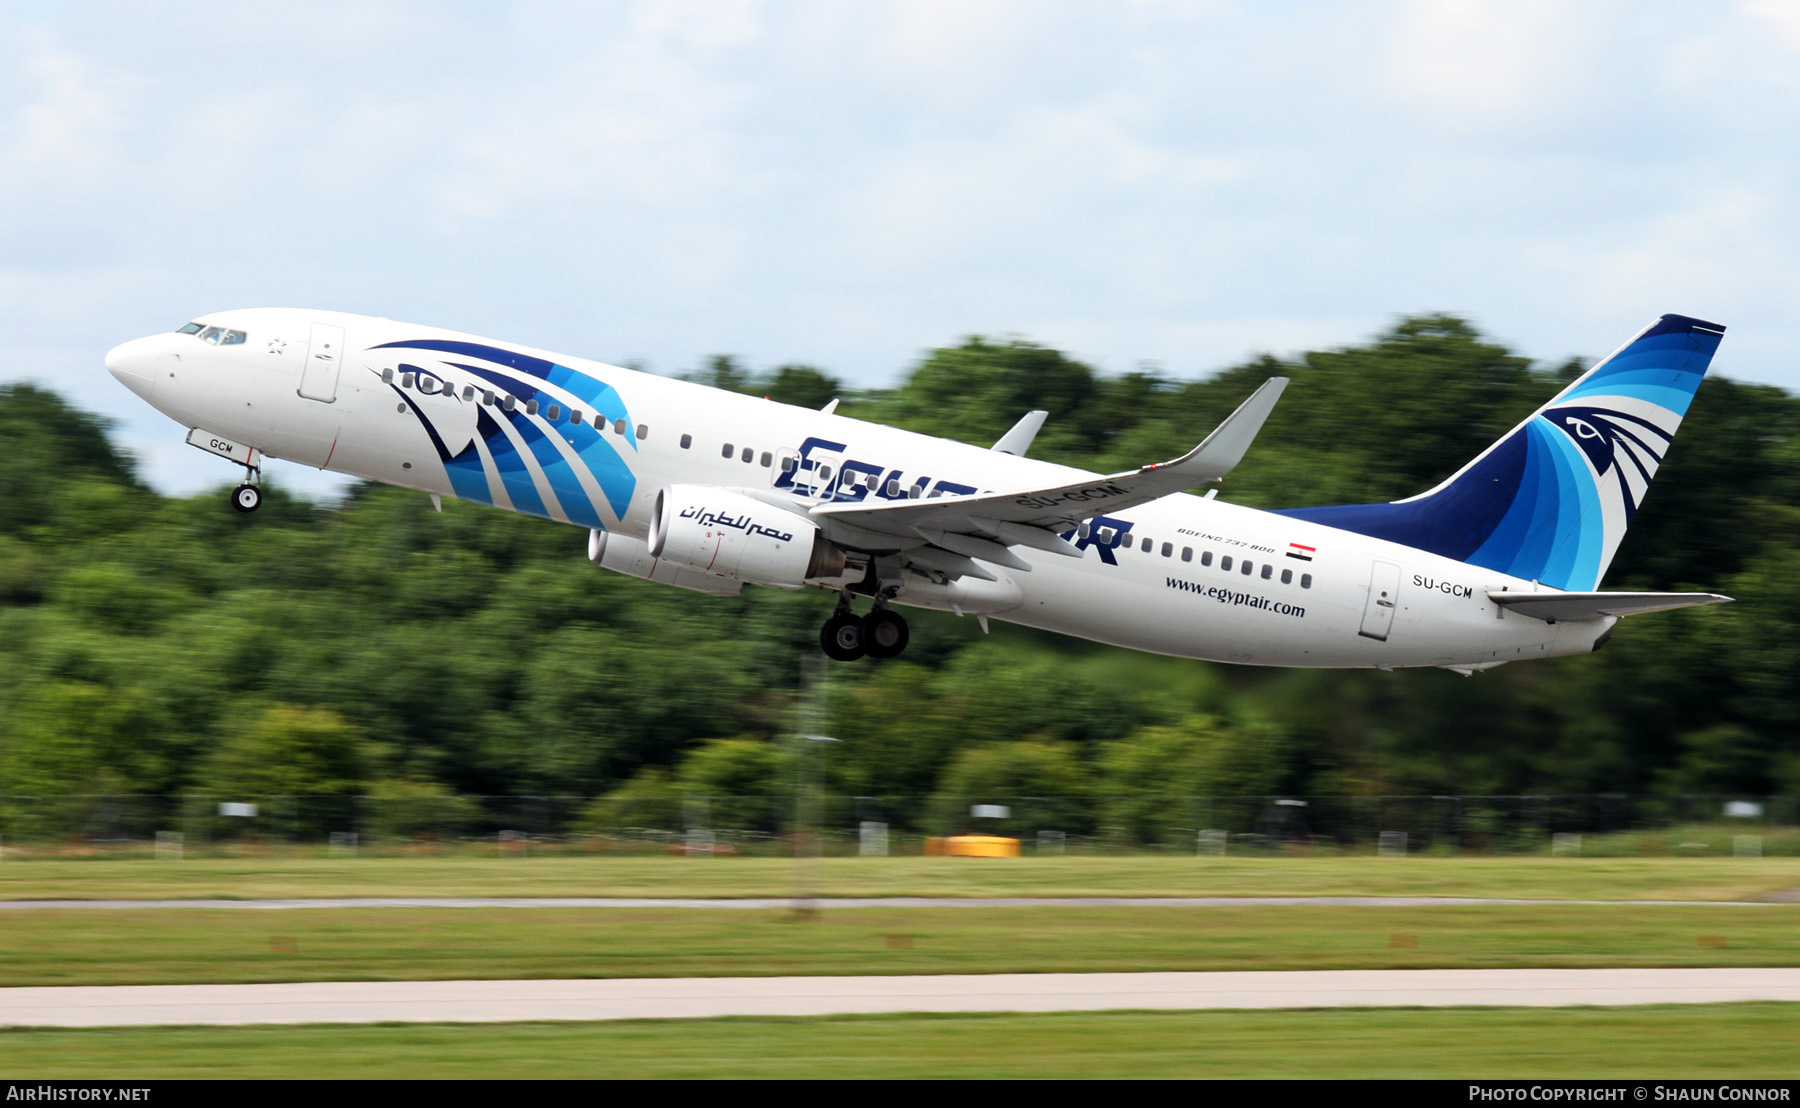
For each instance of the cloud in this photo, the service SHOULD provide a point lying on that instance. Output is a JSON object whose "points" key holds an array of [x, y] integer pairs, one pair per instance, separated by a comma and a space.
{"points": [[1780, 16], [849, 183]]}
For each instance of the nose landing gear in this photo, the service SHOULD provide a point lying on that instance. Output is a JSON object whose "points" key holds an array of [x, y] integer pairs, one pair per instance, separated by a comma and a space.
{"points": [[247, 497], [880, 634]]}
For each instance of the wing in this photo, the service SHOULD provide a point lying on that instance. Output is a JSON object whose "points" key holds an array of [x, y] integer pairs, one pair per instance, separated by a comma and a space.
{"points": [[984, 526]]}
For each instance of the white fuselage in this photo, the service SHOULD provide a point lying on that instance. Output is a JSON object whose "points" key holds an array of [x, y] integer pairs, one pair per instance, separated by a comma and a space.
{"points": [[1311, 598]]}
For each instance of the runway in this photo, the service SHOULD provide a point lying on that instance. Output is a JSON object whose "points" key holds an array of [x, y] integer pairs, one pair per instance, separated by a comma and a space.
{"points": [[696, 997], [828, 903]]}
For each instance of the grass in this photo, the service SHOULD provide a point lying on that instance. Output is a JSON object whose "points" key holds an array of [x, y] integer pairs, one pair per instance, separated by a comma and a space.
{"points": [[179, 946], [1669, 878], [1723, 1041]]}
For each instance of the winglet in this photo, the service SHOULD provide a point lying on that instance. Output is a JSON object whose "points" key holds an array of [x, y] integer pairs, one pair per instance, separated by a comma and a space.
{"points": [[831, 407], [1225, 447], [1018, 440]]}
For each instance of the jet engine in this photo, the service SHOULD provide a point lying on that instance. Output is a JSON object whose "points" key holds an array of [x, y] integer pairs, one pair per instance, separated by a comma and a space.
{"points": [[730, 535]]}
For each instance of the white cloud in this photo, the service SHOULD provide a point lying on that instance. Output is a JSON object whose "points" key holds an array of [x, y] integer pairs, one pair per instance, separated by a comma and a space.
{"points": [[1485, 64], [1780, 16], [850, 183]]}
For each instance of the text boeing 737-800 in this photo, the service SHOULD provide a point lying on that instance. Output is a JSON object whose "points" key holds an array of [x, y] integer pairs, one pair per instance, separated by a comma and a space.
{"points": [[710, 490]]}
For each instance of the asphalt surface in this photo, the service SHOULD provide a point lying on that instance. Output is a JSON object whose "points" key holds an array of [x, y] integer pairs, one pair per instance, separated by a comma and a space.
{"points": [[838, 902], [691, 997]]}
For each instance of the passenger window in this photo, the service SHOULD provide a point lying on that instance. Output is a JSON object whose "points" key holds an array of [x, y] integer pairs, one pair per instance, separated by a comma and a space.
{"points": [[233, 338], [893, 487], [1248, 567], [789, 463], [749, 453], [687, 441], [387, 376], [766, 460], [1187, 553], [468, 392], [1147, 544], [1306, 580], [1168, 549], [190, 329], [1287, 576], [531, 407], [553, 413], [643, 431], [618, 427], [1225, 563], [824, 473], [1267, 571], [1206, 557], [728, 451], [510, 403], [407, 380], [487, 396], [575, 416]]}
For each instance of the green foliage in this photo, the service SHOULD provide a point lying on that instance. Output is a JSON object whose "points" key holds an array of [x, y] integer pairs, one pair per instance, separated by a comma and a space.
{"points": [[419, 810], [1046, 782], [170, 645], [1148, 774], [284, 750]]}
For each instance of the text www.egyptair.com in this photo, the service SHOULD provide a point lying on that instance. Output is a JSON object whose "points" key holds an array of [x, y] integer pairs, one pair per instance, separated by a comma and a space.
{"points": [[1227, 596]]}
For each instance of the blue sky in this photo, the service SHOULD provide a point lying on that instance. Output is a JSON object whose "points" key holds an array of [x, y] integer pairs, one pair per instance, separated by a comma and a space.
{"points": [[847, 183]]}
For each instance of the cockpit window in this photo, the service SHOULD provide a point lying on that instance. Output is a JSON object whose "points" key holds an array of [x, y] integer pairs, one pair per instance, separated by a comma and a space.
{"points": [[232, 338], [192, 328], [219, 336]]}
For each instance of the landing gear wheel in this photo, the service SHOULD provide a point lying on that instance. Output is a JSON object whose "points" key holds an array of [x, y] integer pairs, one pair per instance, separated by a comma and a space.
{"points": [[246, 498], [884, 633], [842, 637]]}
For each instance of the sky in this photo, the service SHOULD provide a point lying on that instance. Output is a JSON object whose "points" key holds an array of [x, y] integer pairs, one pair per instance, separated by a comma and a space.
{"points": [[849, 183]]}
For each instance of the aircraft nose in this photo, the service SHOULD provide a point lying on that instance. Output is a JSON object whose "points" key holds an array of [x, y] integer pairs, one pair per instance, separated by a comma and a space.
{"points": [[134, 364]]}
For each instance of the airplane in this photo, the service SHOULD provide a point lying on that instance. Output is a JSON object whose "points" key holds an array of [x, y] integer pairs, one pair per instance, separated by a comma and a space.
{"points": [[708, 490]]}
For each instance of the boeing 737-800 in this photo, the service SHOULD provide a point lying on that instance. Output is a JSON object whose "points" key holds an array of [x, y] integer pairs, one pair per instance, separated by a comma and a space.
{"points": [[710, 490]]}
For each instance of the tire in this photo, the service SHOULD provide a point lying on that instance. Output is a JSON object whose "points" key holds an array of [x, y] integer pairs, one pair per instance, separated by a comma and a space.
{"points": [[841, 638], [884, 633], [246, 498]]}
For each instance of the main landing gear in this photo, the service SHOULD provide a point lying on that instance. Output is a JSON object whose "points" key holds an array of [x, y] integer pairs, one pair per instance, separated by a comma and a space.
{"points": [[880, 634]]}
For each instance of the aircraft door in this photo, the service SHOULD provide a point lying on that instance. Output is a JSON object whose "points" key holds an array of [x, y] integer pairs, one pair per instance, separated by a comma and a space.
{"points": [[1384, 594], [324, 361]]}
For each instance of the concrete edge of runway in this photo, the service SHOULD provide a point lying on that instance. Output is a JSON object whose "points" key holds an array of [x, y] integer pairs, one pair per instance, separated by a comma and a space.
{"points": [[358, 1002], [748, 903]]}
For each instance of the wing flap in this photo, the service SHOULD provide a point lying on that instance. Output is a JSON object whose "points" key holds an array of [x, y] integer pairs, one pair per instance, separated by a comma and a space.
{"points": [[1553, 606]]}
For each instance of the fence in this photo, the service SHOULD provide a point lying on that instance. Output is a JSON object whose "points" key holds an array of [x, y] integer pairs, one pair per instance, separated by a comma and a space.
{"points": [[1587, 824]]}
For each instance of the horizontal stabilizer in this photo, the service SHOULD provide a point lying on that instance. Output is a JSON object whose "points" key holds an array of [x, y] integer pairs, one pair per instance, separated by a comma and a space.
{"points": [[1593, 605]]}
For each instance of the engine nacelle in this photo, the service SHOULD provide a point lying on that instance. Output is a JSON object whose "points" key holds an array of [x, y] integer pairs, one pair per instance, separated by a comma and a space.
{"points": [[730, 535], [624, 554]]}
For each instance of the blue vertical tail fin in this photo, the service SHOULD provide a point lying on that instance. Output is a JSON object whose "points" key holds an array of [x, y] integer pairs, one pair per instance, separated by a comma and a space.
{"points": [[1552, 499]]}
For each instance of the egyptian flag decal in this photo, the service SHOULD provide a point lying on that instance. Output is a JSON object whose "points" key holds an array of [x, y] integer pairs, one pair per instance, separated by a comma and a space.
{"points": [[1303, 553]]}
